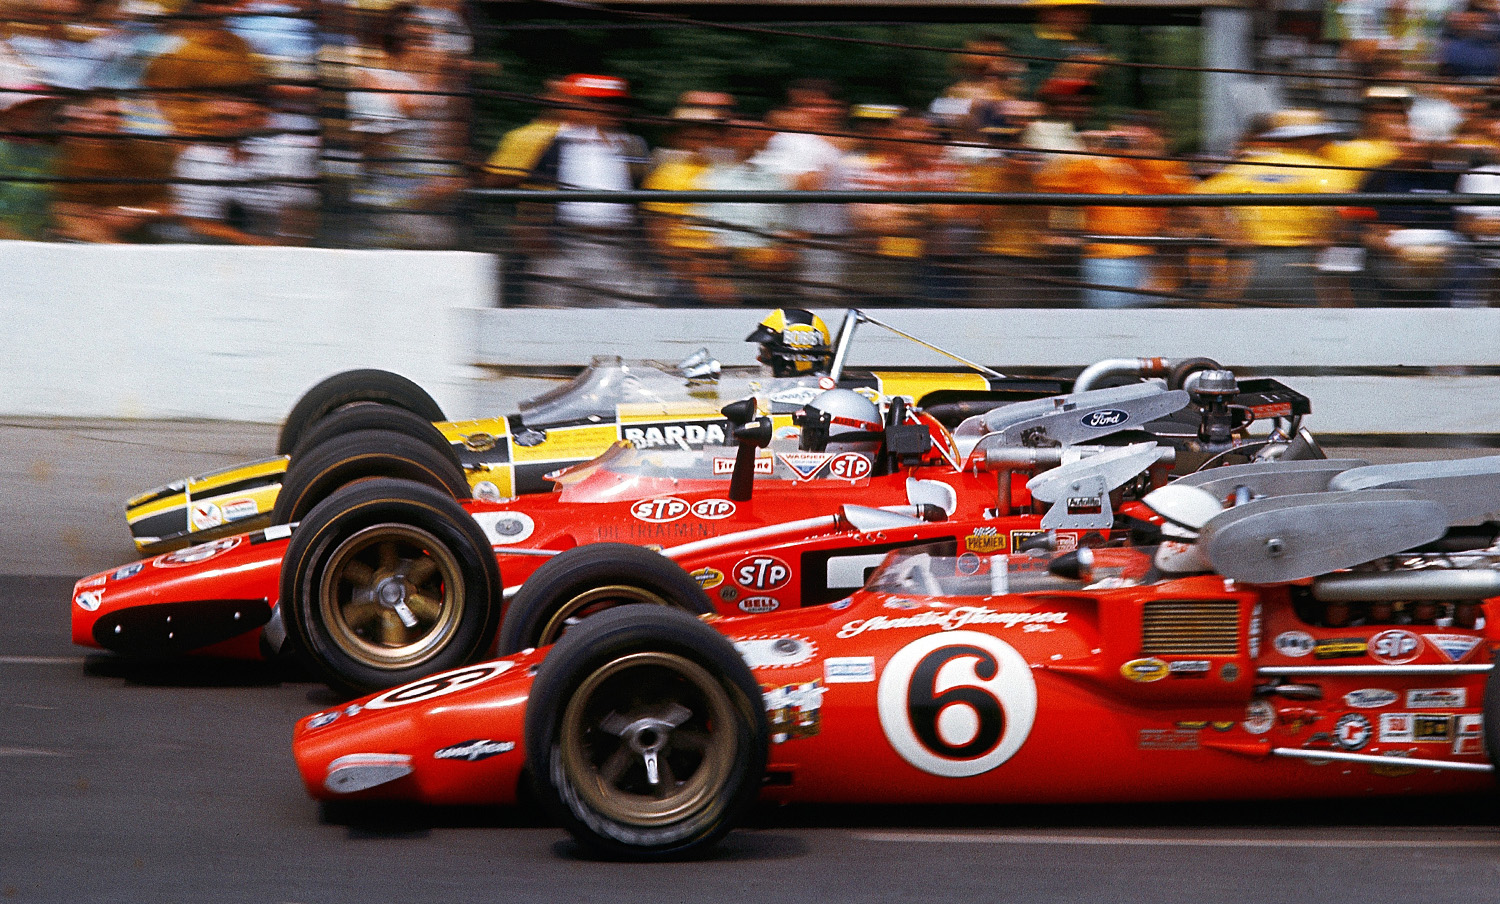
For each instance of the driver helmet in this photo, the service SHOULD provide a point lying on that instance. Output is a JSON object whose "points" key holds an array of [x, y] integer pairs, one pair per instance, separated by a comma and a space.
{"points": [[793, 342], [840, 413], [1184, 510]]}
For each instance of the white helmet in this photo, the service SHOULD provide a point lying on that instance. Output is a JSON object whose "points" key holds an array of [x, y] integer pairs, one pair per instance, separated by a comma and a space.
{"points": [[1185, 510], [840, 413]]}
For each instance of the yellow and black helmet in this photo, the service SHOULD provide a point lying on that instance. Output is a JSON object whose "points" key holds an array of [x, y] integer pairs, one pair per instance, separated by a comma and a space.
{"points": [[793, 342]]}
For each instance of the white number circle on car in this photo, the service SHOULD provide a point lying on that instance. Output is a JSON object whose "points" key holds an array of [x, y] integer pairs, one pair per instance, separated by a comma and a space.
{"points": [[957, 704], [438, 685]]}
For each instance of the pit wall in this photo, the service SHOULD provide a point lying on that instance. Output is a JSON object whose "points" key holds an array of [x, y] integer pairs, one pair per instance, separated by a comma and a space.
{"points": [[235, 334]]}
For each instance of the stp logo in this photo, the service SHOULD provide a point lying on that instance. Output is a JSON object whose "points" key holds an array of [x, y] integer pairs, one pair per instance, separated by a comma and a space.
{"points": [[762, 573], [656, 511], [849, 466], [1109, 417], [713, 509], [1395, 647]]}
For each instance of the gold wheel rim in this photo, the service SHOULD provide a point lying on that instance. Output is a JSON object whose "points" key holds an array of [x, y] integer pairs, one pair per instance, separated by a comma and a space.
{"points": [[391, 596], [589, 602], [645, 700]]}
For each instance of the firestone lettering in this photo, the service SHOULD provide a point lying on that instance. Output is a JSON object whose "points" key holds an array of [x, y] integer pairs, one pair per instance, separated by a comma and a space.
{"points": [[952, 620]]}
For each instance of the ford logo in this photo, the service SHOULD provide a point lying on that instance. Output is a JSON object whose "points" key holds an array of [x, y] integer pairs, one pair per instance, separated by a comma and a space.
{"points": [[1109, 417]]}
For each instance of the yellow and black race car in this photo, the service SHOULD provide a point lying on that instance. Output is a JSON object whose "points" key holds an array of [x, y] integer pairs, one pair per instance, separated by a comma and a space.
{"points": [[369, 423]]}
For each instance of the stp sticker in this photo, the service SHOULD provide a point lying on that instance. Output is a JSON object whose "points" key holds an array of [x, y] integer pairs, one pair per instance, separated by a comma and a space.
{"points": [[713, 509], [1395, 647], [762, 573], [195, 554], [849, 466], [440, 685], [660, 510], [957, 705]]}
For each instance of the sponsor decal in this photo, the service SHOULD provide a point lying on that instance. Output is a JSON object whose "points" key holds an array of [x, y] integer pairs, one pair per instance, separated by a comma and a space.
{"points": [[660, 510], [805, 464], [486, 491], [240, 508], [761, 573], [1470, 739], [1189, 668], [729, 594], [1229, 672], [1437, 698], [95, 581], [1144, 671], [794, 710], [478, 442], [682, 436], [759, 605], [826, 382], [708, 578], [849, 669], [90, 600], [1257, 629], [1222, 725], [204, 515], [195, 554], [474, 751], [1430, 728], [1393, 771], [952, 620], [1295, 644], [1453, 646], [763, 465], [840, 605], [1167, 739], [777, 652], [1351, 731], [1339, 648], [849, 466], [1085, 505], [274, 532], [1193, 724], [1260, 715], [1105, 417], [901, 602], [505, 528], [440, 685], [985, 540], [1397, 727], [353, 709], [967, 563], [322, 719], [128, 571], [713, 509], [1370, 698], [957, 705], [1395, 646], [797, 395]]}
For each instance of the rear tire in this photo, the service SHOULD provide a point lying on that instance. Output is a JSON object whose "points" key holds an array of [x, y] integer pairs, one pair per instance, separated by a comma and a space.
{"points": [[633, 688], [349, 388], [387, 581], [361, 455], [353, 418], [582, 582]]}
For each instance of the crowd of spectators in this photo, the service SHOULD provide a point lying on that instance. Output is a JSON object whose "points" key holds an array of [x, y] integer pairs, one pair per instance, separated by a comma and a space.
{"points": [[243, 121]]}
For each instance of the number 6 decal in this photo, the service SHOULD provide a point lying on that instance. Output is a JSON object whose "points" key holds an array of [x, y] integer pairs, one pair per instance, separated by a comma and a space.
{"points": [[957, 704]]}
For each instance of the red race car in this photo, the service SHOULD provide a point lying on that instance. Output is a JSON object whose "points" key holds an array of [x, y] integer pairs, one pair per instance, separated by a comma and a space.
{"points": [[387, 581], [1327, 636]]}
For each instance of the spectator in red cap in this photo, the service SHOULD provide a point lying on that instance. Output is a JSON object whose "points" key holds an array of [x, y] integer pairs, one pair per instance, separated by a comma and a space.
{"points": [[589, 256]]}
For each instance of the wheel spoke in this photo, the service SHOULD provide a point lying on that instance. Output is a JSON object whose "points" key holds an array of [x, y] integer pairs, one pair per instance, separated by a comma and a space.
{"points": [[388, 556], [392, 633], [359, 574], [614, 767], [425, 607], [363, 615], [666, 780], [421, 571]]}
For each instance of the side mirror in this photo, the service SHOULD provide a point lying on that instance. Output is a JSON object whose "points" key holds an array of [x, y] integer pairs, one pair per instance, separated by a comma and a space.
{"points": [[739, 413], [750, 437]]}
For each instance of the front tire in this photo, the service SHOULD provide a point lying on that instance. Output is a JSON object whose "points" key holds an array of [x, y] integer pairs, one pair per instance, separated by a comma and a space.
{"points": [[360, 455], [646, 734], [587, 580], [350, 388], [387, 581]]}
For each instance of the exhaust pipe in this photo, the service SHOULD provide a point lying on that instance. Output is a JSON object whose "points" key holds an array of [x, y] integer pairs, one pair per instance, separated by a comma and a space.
{"points": [[1392, 586]]}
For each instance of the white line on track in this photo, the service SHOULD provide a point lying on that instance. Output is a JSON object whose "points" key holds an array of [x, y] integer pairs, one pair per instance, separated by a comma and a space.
{"points": [[30, 751], [42, 660], [1171, 841]]}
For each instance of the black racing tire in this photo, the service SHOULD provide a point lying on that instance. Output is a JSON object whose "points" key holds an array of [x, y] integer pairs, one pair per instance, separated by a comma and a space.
{"points": [[361, 455], [349, 388], [386, 581], [1185, 368], [635, 680], [584, 581], [354, 418]]}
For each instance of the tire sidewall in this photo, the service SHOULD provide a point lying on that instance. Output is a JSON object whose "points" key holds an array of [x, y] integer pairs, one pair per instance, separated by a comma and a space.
{"points": [[360, 455], [600, 640], [347, 388], [340, 517]]}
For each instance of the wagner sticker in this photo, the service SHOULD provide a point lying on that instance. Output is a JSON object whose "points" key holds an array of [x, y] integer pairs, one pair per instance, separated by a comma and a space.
{"points": [[805, 464], [1455, 647]]}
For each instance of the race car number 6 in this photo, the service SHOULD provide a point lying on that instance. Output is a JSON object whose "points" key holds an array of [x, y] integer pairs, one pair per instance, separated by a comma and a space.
{"points": [[438, 685], [957, 704]]}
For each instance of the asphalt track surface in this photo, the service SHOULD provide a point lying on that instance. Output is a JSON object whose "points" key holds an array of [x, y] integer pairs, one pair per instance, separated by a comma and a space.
{"points": [[137, 782]]}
